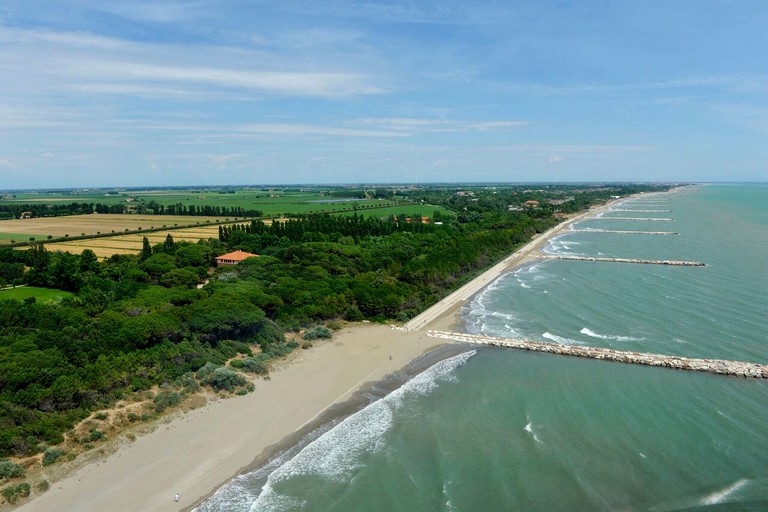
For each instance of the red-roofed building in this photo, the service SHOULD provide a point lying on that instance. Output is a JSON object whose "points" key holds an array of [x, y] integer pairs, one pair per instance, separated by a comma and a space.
{"points": [[233, 258]]}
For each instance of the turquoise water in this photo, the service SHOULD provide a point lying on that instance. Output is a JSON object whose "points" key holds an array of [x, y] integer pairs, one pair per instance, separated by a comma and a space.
{"points": [[498, 429]]}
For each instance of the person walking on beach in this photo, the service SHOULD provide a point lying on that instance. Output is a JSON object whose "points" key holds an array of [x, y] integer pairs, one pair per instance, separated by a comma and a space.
{"points": [[176, 498]]}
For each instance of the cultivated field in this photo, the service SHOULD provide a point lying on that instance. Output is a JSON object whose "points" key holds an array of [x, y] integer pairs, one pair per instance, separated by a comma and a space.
{"points": [[270, 201], [132, 243], [40, 228]]}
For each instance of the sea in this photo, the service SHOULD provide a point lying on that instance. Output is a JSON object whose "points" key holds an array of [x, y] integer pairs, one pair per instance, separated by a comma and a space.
{"points": [[492, 429]]}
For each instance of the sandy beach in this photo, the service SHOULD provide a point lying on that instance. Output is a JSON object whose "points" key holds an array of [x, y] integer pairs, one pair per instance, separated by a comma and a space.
{"points": [[200, 450]]}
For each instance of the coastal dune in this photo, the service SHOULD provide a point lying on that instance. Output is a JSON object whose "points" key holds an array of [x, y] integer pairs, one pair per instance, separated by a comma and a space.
{"points": [[199, 451]]}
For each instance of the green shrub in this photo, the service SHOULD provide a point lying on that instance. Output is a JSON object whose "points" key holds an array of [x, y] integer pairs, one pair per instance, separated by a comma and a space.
{"points": [[95, 435], [166, 399], [293, 344], [10, 470], [23, 490], [334, 325], [318, 332], [9, 493], [253, 365], [50, 456], [101, 416], [237, 363], [188, 383], [206, 370], [224, 378]]}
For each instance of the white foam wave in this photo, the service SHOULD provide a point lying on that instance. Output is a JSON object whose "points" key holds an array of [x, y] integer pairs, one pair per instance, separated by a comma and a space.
{"points": [[611, 337], [336, 455], [529, 428], [560, 339], [481, 308], [722, 495]]}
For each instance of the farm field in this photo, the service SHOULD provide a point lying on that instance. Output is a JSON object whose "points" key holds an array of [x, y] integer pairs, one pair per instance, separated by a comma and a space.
{"points": [[270, 201], [75, 225], [132, 243], [41, 294]]}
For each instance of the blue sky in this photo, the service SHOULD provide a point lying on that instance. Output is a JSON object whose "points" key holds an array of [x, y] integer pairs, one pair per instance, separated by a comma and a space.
{"points": [[132, 93]]}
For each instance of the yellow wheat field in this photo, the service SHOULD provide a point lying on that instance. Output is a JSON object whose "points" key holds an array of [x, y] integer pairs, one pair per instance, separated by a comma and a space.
{"points": [[75, 225]]}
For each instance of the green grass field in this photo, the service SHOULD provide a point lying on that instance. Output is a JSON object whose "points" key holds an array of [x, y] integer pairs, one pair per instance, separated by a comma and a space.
{"points": [[7, 237], [270, 201], [41, 294]]}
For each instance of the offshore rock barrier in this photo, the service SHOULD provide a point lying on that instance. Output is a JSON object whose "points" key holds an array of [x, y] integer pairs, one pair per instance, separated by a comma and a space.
{"points": [[625, 260], [717, 366], [623, 232], [663, 219], [642, 211]]}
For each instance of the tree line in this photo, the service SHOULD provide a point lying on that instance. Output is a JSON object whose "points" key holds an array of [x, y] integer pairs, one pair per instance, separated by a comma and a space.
{"points": [[16, 210]]}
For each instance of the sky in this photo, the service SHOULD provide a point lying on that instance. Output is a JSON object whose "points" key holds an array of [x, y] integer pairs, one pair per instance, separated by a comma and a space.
{"points": [[97, 93]]}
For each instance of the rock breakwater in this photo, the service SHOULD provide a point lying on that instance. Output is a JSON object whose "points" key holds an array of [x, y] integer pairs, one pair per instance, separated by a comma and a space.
{"points": [[617, 231], [663, 219], [716, 366], [625, 260]]}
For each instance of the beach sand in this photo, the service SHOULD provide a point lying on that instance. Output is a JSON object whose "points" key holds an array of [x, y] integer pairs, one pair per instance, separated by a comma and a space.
{"points": [[202, 449]]}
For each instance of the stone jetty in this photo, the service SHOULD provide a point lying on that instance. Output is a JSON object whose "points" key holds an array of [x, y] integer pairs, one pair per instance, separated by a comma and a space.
{"points": [[623, 232], [717, 366], [624, 260], [641, 211], [663, 219]]}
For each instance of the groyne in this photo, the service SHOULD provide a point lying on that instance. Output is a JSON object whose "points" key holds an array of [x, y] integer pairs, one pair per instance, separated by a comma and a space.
{"points": [[663, 219], [625, 260], [641, 211], [717, 366], [623, 232]]}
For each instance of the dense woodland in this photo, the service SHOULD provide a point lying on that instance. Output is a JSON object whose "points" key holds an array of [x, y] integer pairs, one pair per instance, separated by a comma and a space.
{"points": [[139, 321]]}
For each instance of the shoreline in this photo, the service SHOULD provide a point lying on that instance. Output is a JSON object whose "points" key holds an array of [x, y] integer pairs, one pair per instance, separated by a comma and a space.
{"points": [[201, 450], [337, 412], [325, 383], [445, 314]]}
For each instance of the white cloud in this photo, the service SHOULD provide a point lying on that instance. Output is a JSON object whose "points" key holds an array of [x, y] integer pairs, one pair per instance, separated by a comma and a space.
{"points": [[440, 125], [305, 129]]}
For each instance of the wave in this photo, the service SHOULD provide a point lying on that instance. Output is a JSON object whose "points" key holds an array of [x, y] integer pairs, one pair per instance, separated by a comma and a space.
{"points": [[337, 454], [611, 337], [722, 495], [529, 428], [560, 339], [479, 309]]}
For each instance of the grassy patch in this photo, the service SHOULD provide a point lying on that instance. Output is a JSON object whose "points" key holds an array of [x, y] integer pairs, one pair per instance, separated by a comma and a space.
{"points": [[41, 294]]}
